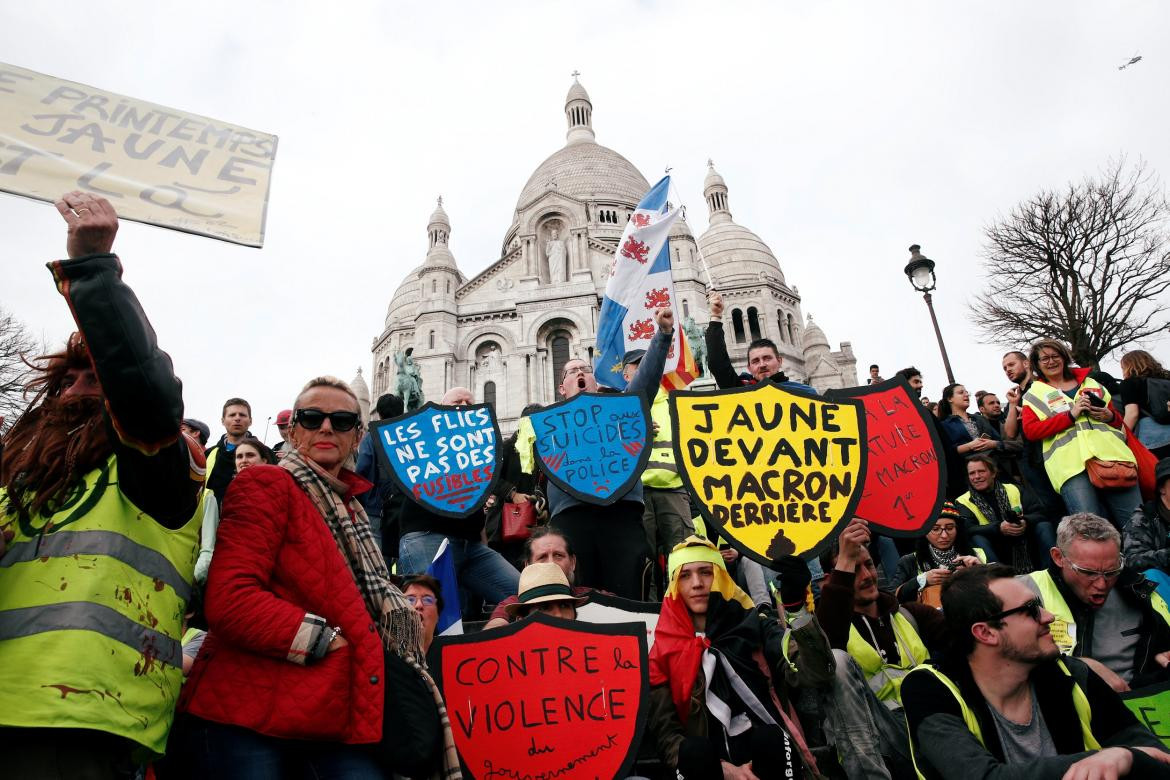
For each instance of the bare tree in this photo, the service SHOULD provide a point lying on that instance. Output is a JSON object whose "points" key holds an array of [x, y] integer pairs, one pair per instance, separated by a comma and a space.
{"points": [[1088, 265], [15, 346]]}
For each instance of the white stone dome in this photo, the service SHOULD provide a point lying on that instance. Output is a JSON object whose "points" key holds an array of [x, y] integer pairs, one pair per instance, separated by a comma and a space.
{"points": [[404, 304], [815, 338], [360, 388], [577, 92], [586, 171], [680, 228], [732, 250]]}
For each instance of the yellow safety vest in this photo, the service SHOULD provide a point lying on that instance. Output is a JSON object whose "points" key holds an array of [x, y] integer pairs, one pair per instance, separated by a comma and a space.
{"points": [[91, 613], [885, 679], [661, 470], [1064, 628], [1080, 703], [1066, 452], [1013, 494]]}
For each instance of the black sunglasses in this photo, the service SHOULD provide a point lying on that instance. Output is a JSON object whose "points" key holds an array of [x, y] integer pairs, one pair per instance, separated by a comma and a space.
{"points": [[312, 419], [1030, 608]]}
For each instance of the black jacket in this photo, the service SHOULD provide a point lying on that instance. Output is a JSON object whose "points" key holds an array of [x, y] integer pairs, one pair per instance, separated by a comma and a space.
{"points": [[143, 397], [719, 362], [1135, 590], [945, 748], [223, 471]]}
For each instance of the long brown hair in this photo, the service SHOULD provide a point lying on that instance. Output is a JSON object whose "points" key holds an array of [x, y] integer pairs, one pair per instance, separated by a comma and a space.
{"points": [[1142, 363], [56, 441]]}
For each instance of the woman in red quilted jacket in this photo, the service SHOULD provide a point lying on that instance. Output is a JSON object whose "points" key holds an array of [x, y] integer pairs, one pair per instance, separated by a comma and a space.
{"points": [[304, 621]]}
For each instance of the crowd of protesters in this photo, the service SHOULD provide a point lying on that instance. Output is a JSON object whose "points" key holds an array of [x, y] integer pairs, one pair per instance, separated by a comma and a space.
{"points": [[176, 607]]}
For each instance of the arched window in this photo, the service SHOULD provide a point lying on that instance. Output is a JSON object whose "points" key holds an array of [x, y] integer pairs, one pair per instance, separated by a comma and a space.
{"points": [[489, 394], [559, 346], [448, 286], [431, 340], [737, 326], [754, 323], [686, 309], [434, 285], [791, 332], [780, 325]]}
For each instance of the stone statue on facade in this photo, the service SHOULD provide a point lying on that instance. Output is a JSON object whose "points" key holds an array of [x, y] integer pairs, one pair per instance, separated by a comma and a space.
{"points": [[408, 385], [554, 250], [697, 343]]}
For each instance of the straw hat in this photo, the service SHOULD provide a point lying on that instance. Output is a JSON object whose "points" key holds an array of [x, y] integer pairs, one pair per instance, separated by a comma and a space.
{"points": [[540, 583]]}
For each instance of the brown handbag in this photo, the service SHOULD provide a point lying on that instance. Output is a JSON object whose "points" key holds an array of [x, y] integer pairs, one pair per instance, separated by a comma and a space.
{"points": [[1111, 474], [516, 521], [931, 596]]}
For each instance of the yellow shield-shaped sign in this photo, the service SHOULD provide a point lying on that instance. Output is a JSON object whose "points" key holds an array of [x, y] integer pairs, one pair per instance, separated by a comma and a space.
{"points": [[776, 472]]}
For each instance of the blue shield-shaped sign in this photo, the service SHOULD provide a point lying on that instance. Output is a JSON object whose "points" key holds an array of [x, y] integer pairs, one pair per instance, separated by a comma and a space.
{"points": [[445, 458], [595, 445]]}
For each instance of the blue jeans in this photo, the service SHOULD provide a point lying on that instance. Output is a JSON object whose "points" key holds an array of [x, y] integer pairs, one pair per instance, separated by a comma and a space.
{"points": [[479, 568], [1116, 506], [216, 750]]}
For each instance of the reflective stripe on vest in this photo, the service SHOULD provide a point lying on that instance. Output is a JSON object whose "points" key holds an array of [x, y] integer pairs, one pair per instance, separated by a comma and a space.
{"points": [[1080, 704], [91, 608], [885, 679], [1013, 494], [661, 470], [1065, 453], [1064, 627]]}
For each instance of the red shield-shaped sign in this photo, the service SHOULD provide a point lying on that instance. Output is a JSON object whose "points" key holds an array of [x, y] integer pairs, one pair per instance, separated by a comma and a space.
{"points": [[905, 479], [546, 698]]}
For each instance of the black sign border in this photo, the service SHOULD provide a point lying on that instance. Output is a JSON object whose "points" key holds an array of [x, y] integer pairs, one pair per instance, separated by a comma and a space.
{"points": [[636, 630], [407, 491], [643, 457], [935, 440], [708, 517]]}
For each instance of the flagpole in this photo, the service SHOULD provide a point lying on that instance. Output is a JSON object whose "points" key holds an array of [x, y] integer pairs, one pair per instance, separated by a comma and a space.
{"points": [[702, 259]]}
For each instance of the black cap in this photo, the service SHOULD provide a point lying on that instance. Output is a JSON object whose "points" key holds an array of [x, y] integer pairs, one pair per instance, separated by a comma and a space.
{"points": [[632, 357], [1161, 473], [200, 426]]}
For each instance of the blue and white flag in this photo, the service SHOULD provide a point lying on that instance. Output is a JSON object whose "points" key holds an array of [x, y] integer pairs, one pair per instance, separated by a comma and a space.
{"points": [[639, 283], [442, 568]]}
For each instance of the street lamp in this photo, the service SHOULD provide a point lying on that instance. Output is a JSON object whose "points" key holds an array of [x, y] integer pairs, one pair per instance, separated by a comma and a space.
{"points": [[920, 272]]}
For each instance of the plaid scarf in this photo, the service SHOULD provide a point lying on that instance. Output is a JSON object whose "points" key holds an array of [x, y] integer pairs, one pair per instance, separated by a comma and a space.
{"points": [[398, 623]]}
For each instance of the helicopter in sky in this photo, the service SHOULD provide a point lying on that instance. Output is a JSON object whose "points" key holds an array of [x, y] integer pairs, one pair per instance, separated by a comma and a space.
{"points": [[1134, 60]]}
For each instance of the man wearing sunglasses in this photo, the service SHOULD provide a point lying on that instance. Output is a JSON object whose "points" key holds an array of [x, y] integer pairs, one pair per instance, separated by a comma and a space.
{"points": [[1005, 703], [1106, 613]]}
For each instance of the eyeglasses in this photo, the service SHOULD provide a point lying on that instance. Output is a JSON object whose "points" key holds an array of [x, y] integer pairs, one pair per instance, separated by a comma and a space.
{"points": [[1094, 573], [312, 419], [579, 370], [1030, 608], [1050, 359], [426, 601], [949, 530]]}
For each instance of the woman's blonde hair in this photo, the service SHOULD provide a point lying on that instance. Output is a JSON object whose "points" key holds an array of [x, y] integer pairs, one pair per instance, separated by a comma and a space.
{"points": [[1142, 363], [327, 381]]}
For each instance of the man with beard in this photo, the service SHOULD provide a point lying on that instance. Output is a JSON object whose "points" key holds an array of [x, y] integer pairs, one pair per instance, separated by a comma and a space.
{"points": [[1006, 705], [764, 361], [875, 642], [98, 499]]}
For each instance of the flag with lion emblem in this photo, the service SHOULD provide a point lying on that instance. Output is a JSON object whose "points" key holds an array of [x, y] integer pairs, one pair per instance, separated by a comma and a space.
{"points": [[639, 283]]}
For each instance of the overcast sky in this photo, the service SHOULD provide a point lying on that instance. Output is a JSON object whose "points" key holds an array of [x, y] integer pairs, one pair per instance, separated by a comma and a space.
{"points": [[845, 132]]}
